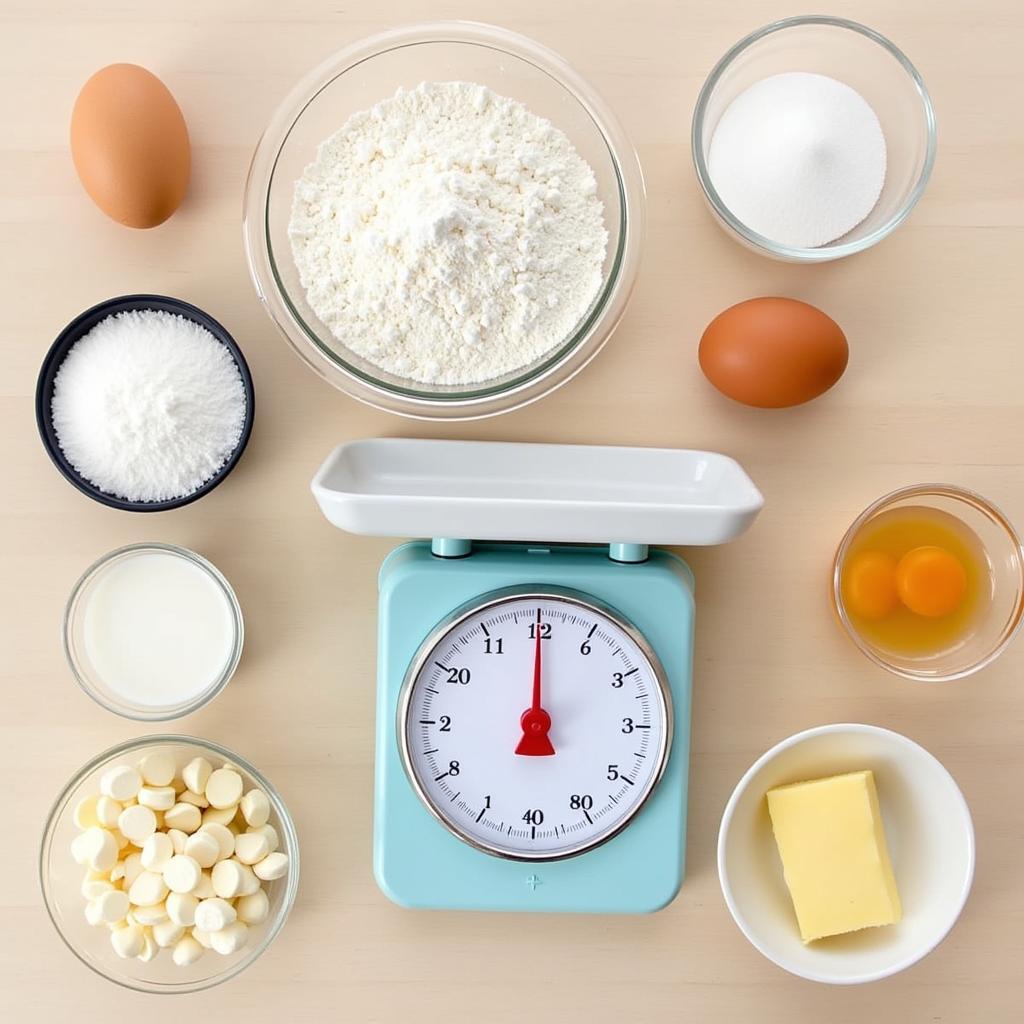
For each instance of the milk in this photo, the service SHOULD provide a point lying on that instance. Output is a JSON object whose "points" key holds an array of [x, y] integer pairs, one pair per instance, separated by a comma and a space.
{"points": [[157, 629]]}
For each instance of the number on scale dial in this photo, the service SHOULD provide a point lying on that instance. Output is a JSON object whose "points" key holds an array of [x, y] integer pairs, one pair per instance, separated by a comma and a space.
{"points": [[534, 725]]}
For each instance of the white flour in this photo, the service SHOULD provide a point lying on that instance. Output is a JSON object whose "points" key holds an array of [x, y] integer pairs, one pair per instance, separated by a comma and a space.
{"points": [[798, 157], [148, 405], [448, 235]]}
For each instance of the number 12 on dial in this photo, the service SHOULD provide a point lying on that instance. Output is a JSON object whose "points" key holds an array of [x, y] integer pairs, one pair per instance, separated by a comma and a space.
{"points": [[535, 723]]}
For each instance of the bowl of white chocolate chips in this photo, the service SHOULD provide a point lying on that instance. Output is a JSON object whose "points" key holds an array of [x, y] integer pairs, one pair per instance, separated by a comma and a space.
{"points": [[168, 864]]}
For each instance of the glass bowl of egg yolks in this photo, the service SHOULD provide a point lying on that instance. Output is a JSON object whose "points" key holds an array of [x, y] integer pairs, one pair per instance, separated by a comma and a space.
{"points": [[929, 582], [61, 878]]}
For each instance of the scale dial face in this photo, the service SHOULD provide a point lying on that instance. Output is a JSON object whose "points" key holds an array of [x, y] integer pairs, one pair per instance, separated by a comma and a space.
{"points": [[534, 724]]}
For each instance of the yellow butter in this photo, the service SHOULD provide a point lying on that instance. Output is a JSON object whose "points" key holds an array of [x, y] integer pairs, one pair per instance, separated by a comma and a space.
{"points": [[834, 855]]}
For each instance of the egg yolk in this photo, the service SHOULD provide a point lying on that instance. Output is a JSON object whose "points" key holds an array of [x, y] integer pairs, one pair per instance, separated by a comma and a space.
{"points": [[931, 581], [870, 585]]}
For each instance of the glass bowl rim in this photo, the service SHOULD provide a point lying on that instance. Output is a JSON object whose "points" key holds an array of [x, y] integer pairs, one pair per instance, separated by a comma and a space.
{"points": [[479, 401], [968, 497], [201, 699], [826, 252], [287, 827]]}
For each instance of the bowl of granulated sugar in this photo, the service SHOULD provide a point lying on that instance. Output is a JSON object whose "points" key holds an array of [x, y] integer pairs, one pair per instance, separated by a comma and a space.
{"points": [[813, 138], [144, 403]]}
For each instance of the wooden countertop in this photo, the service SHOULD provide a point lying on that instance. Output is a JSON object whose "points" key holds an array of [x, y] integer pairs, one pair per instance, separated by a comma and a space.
{"points": [[932, 393]]}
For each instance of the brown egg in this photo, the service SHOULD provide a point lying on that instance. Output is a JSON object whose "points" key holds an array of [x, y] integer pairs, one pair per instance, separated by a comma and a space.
{"points": [[130, 145], [772, 353]]}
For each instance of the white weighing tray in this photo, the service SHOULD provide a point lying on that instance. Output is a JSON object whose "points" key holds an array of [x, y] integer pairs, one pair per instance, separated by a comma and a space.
{"points": [[485, 490]]}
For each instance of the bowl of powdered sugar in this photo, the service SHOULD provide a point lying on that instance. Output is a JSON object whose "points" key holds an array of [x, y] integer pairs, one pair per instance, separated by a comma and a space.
{"points": [[445, 221], [813, 139], [144, 403]]}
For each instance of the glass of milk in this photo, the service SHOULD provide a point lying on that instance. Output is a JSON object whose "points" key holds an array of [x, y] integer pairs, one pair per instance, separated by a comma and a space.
{"points": [[153, 631]]}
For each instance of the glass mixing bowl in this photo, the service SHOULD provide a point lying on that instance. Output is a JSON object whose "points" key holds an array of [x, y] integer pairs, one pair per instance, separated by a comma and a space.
{"points": [[61, 877], [867, 62], [990, 635], [361, 75]]}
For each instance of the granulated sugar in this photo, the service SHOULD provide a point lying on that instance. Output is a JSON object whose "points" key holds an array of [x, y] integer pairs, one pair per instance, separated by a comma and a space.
{"points": [[448, 235], [799, 158], [148, 405]]}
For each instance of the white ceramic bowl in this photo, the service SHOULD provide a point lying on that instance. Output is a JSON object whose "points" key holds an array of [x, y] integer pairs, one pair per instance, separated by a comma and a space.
{"points": [[931, 842]]}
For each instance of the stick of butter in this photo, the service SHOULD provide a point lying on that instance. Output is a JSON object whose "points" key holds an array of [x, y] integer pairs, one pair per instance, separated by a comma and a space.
{"points": [[834, 855]]}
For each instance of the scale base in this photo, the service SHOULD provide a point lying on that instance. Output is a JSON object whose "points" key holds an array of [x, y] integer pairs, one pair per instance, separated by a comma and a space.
{"points": [[417, 862]]}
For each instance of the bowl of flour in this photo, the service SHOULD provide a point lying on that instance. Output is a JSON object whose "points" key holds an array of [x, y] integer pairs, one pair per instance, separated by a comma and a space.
{"points": [[445, 221]]}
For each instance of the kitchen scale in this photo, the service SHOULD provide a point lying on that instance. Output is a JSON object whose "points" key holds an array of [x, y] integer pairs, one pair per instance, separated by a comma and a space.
{"points": [[534, 664]]}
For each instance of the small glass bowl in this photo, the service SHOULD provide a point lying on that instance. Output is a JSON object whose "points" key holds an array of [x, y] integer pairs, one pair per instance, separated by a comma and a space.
{"points": [[372, 70], [1005, 554], [75, 651], [867, 62], [61, 878]]}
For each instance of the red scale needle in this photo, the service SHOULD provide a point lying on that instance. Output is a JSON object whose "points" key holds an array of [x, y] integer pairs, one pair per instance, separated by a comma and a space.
{"points": [[536, 722]]}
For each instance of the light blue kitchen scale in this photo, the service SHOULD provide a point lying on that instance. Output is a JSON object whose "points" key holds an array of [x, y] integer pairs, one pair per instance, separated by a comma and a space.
{"points": [[534, 664]]}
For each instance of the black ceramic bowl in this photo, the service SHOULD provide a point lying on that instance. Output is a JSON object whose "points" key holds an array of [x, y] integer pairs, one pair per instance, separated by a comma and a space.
{"points": [[81, 325]]}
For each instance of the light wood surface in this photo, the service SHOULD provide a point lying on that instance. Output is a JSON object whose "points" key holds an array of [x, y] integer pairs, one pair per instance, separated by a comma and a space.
{"points": [[932, 393]]}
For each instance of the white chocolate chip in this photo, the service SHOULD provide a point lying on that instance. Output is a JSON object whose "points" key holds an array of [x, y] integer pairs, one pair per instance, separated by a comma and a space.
{"points": [[85, 813], [274, 865], [196, 774], [120, 838], [214, 914], [270, 832], [95, 847], [158, 798], [94, 886], [186, 817], [167, 933], [147, 889], [228, 879], [224, 788], [157, 769], [224, 836], [138, 823], [187, 951], [150, 916], [107, 811], [182, 873], [219, 816], [121, 782], [117, 871], [133, 867], [255, 807], [254, 908], [92, 913], [149, 948], [128, 941], [188, 797], [251, 847], [203, 848], [203, 938], [250, 883], [157, 850], [181, 908], [204, 890], [231, 938], [177, 838], [112, 906]]}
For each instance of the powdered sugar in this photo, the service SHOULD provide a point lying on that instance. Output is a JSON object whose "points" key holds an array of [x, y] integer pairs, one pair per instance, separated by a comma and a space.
{"points": [[799, 158], [448, 235], [148, 405]]}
